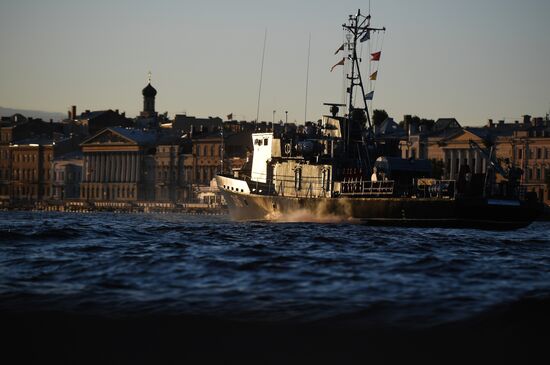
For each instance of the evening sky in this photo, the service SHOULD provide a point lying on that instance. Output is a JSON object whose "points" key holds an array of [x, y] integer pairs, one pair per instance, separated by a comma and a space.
{"points": [[469, 59]]}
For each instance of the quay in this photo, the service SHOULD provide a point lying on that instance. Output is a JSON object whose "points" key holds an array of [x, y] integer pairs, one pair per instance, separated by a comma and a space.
{"points": [[78, 206]]}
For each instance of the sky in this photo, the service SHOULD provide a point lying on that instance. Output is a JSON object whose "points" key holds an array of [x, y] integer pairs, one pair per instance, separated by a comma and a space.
{"points": [[468, 59]]}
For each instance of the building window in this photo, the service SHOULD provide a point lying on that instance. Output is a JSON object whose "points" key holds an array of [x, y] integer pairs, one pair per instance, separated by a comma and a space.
{"points": [[539, 153], [520, 154], [538, 173]]}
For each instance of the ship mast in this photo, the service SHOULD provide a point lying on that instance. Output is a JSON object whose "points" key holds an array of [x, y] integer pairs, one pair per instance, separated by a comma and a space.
{"points": [[359, 29]]}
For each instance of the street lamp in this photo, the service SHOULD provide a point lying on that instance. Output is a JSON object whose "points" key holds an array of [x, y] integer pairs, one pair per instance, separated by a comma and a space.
{"points": [[273, 121], [286, 116]]}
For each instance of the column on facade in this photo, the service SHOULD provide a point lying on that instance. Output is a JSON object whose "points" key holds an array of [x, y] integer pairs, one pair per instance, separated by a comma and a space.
{"points": [[101, 166], [93, 168], [86, 171], [91, 176], [132, 167], [112, 157], [124, 167], [107, 167], [128, 167], [138, 166], [452, 164], [120, 173], [121, 167], [116, 168], [460, 158], [84, 168], [108, 163], [98, 167]]}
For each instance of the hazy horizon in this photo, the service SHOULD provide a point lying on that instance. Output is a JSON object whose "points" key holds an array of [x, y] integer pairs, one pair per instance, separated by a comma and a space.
{"points": [[471, 60]]}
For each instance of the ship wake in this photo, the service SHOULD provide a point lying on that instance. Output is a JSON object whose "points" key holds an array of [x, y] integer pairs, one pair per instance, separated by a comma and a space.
{"points": [[322, 214]]}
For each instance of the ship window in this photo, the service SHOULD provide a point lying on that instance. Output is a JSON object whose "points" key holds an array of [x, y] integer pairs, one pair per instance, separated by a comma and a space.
{"points": [[265, 141]]}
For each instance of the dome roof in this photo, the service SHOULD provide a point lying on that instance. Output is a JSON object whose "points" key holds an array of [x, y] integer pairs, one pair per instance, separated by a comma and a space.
{"points": [[149, 91]]}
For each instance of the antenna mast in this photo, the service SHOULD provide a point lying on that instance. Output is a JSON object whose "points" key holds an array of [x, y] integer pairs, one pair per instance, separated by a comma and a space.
{"points": [[359, 28], [261, 78], [307, 77]]}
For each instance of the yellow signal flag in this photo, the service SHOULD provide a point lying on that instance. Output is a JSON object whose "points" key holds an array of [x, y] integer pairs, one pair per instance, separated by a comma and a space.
{"points": [[374, 75]]}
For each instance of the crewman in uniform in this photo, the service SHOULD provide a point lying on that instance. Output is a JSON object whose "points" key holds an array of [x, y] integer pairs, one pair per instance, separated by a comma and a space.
{"points": [[374, 177]]}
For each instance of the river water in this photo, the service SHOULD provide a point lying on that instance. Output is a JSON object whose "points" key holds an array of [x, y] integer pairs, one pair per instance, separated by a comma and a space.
{"points": [[124, 265]]}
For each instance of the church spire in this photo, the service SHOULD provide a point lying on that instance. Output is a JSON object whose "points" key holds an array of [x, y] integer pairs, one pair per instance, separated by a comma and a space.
{"points": [[149, 93]]}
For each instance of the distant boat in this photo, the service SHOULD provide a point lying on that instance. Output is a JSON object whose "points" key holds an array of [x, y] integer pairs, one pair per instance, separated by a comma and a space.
{"points": [[339, 170]]}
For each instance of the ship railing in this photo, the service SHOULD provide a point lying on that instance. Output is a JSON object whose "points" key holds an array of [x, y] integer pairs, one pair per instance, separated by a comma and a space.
{"points": [[431, 188], [360, 187]]}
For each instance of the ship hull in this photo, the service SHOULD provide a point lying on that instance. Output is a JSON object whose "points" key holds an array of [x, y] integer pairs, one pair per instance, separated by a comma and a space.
{"points": [[411, 212]]}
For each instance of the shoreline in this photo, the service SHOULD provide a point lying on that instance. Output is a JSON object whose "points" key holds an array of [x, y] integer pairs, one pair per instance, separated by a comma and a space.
{"points": [[110, 207]]}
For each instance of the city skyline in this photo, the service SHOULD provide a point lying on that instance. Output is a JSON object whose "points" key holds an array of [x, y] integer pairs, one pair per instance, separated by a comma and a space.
{"points": [[469, 60]]}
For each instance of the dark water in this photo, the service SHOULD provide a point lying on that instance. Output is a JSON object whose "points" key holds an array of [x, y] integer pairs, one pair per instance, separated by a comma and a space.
{"points": [[339, 275]]}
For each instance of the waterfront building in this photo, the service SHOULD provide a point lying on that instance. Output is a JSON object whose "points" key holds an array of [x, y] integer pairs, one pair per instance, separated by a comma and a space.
{"points": [[26, 149], [193, 125], [115, 167], [207, 149], [525, 145], [169, 167], [30, 170], [66, 176], [530, 150], [91, 122]]}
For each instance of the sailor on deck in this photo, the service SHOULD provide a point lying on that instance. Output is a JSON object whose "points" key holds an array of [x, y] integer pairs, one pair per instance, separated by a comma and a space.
{"points": [[373, 177]]}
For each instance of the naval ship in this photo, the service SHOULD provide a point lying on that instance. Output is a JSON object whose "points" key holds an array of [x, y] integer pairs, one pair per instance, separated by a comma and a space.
{"points": [[338, 169]]}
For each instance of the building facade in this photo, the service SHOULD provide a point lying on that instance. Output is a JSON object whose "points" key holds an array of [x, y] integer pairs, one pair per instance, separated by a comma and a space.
{"points": [[523, 145], [113, 168], [30, 175], [67, 176]]}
